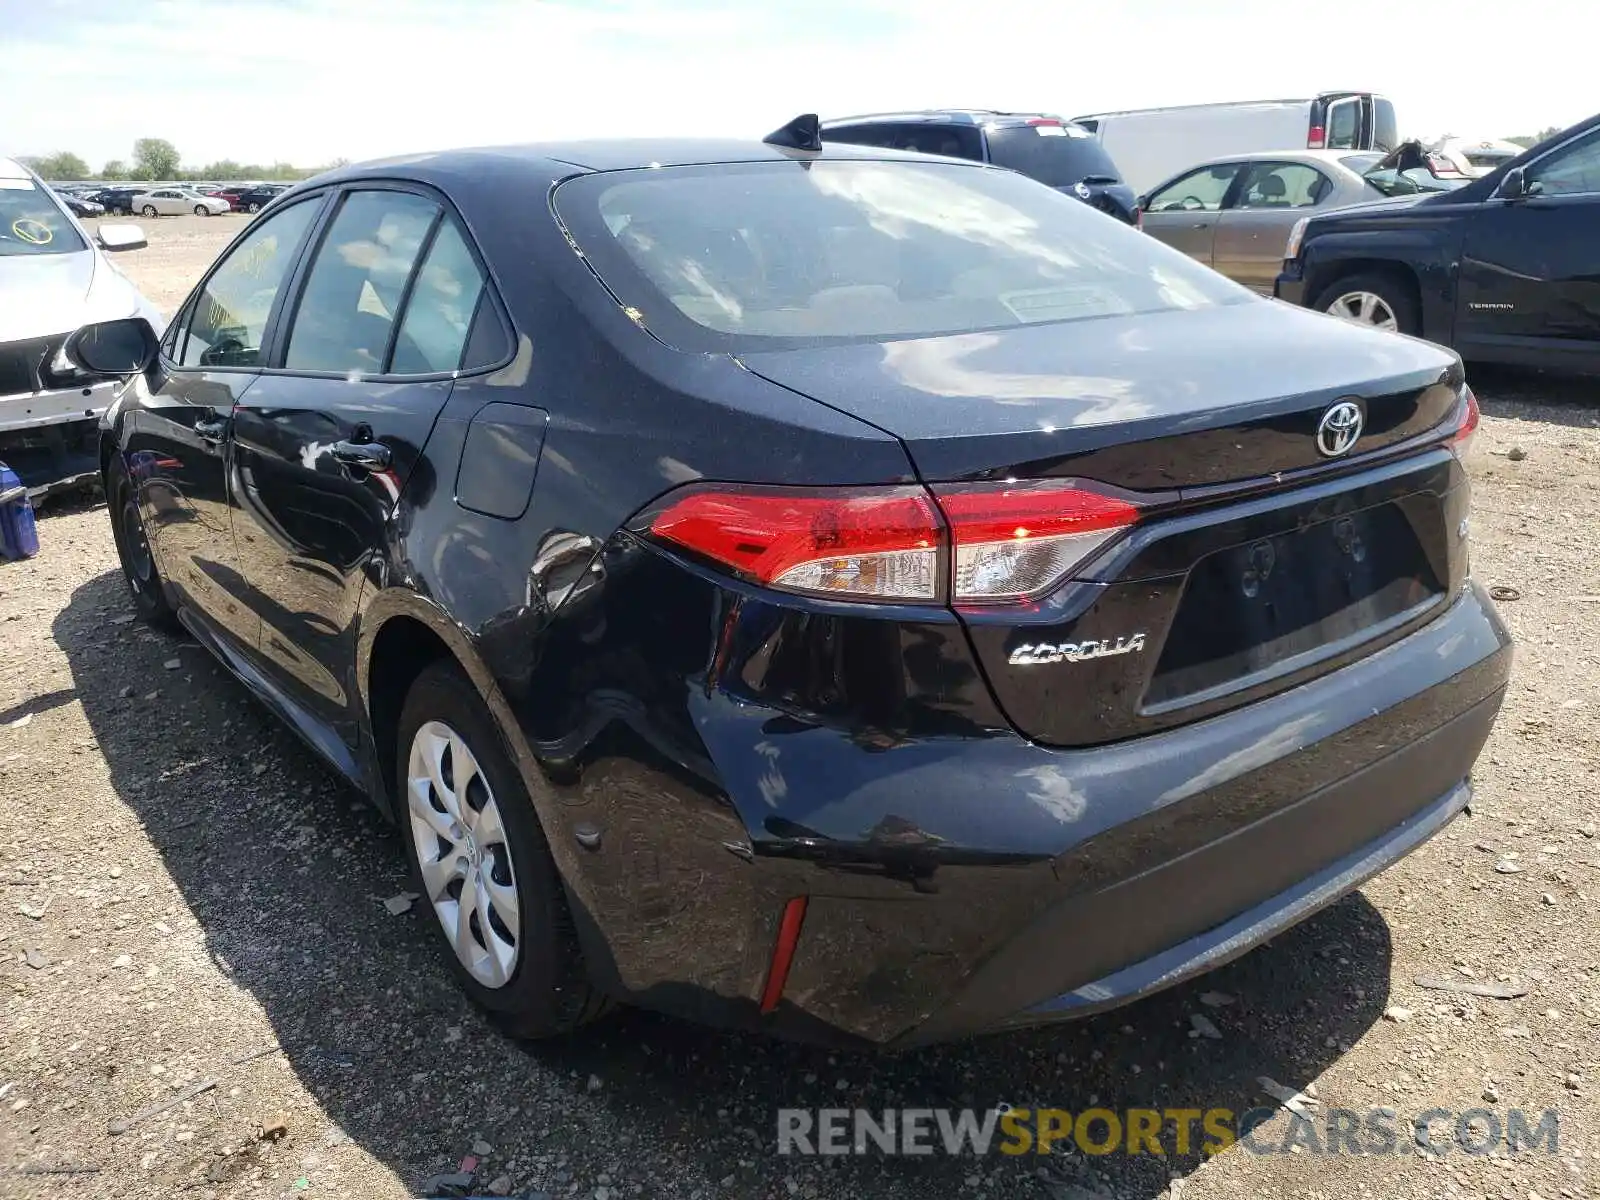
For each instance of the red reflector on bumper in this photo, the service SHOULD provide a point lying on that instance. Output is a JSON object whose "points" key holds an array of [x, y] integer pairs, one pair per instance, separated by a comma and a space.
{"points": [[794, 915]]}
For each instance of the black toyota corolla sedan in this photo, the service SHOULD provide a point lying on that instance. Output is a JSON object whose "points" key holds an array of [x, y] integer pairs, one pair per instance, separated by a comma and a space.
{"points": [[862, 596]]}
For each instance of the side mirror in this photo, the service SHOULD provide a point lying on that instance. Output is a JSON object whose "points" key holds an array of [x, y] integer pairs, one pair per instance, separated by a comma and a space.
{"points": [[122, 237], [1514, 186], [124, 347]]}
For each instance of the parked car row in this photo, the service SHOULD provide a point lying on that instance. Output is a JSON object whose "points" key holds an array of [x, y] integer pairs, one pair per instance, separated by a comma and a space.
{"points": [[178, 199]]}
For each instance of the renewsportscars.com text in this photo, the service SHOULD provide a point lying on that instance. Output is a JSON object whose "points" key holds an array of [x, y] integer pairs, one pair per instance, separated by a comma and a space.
{"points": [[1161, 1132]]}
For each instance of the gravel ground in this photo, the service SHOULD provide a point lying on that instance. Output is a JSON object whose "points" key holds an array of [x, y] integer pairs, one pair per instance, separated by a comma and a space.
{"points": [[187, 900]]}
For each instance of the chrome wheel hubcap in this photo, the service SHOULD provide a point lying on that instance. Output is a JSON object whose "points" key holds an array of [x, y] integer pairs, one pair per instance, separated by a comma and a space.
{"points": [[462, 851], [1365, 308]]}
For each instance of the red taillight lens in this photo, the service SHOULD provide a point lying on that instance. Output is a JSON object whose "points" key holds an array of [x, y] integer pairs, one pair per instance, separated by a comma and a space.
{"points": [[853, 543], [1004, 543], [1461, 440], [1012, 542], [1044, 120], [1315, 139]]}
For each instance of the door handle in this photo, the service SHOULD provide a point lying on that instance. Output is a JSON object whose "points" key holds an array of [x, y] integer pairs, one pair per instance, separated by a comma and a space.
{"points": [[210, 427], [368, 456]]}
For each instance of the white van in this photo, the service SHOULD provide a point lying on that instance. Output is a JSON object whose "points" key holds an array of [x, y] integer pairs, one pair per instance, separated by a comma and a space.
{"points": [[1153, 144]]}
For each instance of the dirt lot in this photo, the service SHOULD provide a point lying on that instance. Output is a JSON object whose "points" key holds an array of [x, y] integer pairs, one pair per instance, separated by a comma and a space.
{"points": [[187, 899]]}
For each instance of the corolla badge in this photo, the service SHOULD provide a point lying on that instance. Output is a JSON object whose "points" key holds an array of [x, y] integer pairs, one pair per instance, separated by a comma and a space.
{"points": [[1339, 428], [1037, 654], [1082, 189]]}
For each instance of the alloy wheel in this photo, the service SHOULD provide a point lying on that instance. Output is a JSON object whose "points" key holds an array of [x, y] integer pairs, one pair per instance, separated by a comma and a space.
{"points": [[462, 854], [1365, 308]]}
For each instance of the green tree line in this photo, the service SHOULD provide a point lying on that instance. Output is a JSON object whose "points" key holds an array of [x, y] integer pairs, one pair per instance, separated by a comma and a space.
{"points": [[1534, 139], [157, 158]]}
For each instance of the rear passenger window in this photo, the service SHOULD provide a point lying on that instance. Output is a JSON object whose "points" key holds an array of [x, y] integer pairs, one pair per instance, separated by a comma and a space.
{"points": [[353, 291], [1282, 185], [438, 316]]}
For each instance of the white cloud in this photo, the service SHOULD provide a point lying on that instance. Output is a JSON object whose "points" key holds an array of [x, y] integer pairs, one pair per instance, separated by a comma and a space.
{"points": [[263, 79]]}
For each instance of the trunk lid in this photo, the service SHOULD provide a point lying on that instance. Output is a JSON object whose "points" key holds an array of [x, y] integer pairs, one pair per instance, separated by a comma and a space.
{"points": [[1261, 561], [1152, 402]]}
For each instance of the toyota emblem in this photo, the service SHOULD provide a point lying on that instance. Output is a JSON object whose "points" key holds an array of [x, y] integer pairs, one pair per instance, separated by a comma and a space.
{"points": [[1339, 428]]}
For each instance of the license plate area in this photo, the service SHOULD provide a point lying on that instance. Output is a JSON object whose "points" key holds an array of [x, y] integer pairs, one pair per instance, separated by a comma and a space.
{"points": [[1278, 604]]}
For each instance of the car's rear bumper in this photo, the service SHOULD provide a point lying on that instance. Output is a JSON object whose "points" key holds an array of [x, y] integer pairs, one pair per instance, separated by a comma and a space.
{"points": [[966, 883], [1223, 943]]}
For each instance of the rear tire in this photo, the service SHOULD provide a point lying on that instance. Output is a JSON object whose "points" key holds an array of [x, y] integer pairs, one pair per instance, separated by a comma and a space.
{"points": [[530, 978], [253, 206], [1377, 300], [133, 551], [149, 210]]}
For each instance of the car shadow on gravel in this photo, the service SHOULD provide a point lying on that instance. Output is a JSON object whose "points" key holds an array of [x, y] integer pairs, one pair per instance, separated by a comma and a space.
{"points": [[286, 871]]}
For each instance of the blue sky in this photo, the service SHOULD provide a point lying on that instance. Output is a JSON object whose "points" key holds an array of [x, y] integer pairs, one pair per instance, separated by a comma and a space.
{"points": [[305, 82]]}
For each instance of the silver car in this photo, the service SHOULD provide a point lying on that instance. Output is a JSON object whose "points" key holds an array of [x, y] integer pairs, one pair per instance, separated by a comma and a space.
{"points": [[175, 202], [54, 278], [1235, 214]]}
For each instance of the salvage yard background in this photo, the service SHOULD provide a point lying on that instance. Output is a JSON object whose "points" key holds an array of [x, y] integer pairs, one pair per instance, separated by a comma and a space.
{"points": [[192, 916]]}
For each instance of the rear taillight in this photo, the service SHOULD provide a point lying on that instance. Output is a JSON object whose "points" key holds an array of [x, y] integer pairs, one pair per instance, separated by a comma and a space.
{"points": [[1004, 543], [1467, 427], [1044, 121], [1015, 541], [1315, 138], [853, 543]]}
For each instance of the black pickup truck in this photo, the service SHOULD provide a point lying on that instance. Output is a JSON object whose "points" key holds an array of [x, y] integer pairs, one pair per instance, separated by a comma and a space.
{"points": [[1505, 269]]}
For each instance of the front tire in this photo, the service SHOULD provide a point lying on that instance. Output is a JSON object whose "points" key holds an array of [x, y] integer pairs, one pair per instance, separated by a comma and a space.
{"points": [[200, 210], [1375, 300], [253, 206], [133, 551], [481, 862]]}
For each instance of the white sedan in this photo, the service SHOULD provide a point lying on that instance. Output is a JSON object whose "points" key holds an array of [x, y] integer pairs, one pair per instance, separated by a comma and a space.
{"points": [[174, 202]]}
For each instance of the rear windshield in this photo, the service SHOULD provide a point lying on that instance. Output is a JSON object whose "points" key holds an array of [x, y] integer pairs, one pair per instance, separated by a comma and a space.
{"points": [[756, 256], [1060, 155], [32, 222]]}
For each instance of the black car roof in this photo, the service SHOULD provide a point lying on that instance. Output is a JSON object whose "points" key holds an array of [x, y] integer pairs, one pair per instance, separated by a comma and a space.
{"points": [[550, 160], [942, 116]]}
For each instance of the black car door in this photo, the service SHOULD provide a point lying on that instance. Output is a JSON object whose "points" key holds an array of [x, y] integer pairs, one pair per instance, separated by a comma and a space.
{"points": [[362, 363], [1530, 267], [176, 446]]}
